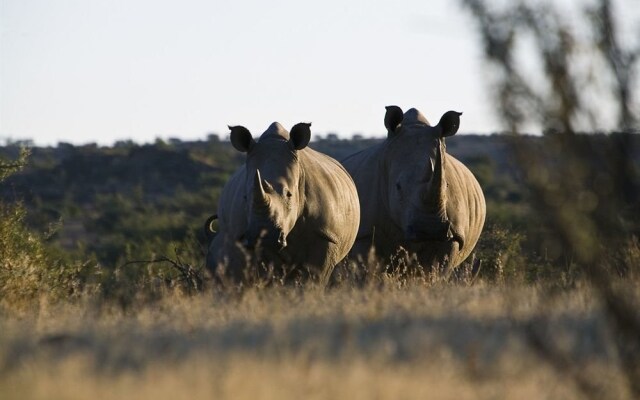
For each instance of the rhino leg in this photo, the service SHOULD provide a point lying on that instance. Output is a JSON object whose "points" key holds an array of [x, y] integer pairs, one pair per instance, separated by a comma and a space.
{"points": [[213, 251], [323, 257], [226, 260], [441, 256]]}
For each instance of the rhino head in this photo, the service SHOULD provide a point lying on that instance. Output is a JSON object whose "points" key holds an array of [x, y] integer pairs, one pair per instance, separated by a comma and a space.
{"points": [[415, 161], [273, 194]]}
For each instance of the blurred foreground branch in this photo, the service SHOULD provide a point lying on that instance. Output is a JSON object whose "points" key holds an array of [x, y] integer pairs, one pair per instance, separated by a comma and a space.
{"points": [[584, 187]]}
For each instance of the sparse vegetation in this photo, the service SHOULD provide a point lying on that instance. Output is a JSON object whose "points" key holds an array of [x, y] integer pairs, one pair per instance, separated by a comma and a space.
{"points": [[28, 268]]}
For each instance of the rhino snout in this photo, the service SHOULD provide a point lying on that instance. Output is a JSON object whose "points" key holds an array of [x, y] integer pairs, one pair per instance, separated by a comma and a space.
{"points": [[269, 239], [431, 231]]}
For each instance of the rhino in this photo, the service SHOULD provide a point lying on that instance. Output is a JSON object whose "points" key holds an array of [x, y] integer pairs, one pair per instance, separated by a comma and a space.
{"points": [[416, 196], [288, 205]]}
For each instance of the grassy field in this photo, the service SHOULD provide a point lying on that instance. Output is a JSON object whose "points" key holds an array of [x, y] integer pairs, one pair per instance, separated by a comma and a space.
{"points": [[395, 339]]}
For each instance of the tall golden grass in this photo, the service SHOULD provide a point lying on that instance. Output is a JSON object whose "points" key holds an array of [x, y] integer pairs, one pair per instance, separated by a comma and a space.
{"points": [[403, 338]]}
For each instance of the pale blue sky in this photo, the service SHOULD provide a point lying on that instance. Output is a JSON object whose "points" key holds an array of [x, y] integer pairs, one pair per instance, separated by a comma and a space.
{"points": [[98, 71]]}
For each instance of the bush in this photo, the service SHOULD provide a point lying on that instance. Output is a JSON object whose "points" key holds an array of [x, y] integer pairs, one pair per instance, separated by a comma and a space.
{"points": [[28, 270], [500, 251]]}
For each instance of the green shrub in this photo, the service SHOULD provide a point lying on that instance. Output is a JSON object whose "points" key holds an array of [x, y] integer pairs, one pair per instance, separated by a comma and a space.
{"points": [[28, 269], [500, 251]]}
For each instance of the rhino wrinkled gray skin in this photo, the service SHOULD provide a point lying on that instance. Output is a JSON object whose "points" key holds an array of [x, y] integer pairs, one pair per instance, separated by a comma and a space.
{"points": [[416, 196], [288, 205]]}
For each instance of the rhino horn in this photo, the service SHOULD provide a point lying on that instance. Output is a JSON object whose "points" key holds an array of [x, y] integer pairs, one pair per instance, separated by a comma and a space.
{"points": [[260, 199], [428, 172], [435, 196]]}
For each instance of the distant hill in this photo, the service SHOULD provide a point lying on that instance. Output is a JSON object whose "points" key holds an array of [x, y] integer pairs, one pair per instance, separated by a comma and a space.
{"points": [[83, 172]]}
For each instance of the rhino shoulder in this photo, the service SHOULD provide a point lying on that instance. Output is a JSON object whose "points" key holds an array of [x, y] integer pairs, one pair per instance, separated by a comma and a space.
{"points": [[325, 166], [460, 176], [331, 195], [466, 204]]}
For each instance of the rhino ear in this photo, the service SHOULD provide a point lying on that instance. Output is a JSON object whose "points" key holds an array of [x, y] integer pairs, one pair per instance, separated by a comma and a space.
{"points": [[241, 138], [449, 123], [392, 118], [300, 135]]}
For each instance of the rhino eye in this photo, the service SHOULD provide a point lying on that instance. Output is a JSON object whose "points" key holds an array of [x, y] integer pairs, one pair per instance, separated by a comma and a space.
{"points": [[289, 194], [398, 187]]}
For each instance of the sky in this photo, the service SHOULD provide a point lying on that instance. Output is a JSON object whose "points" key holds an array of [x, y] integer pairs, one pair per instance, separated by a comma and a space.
{"points": [[83, 71]]}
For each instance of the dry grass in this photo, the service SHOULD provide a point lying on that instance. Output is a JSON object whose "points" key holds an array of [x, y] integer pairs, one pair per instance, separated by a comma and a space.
{"points": [[405, 341], [251, 377]]}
